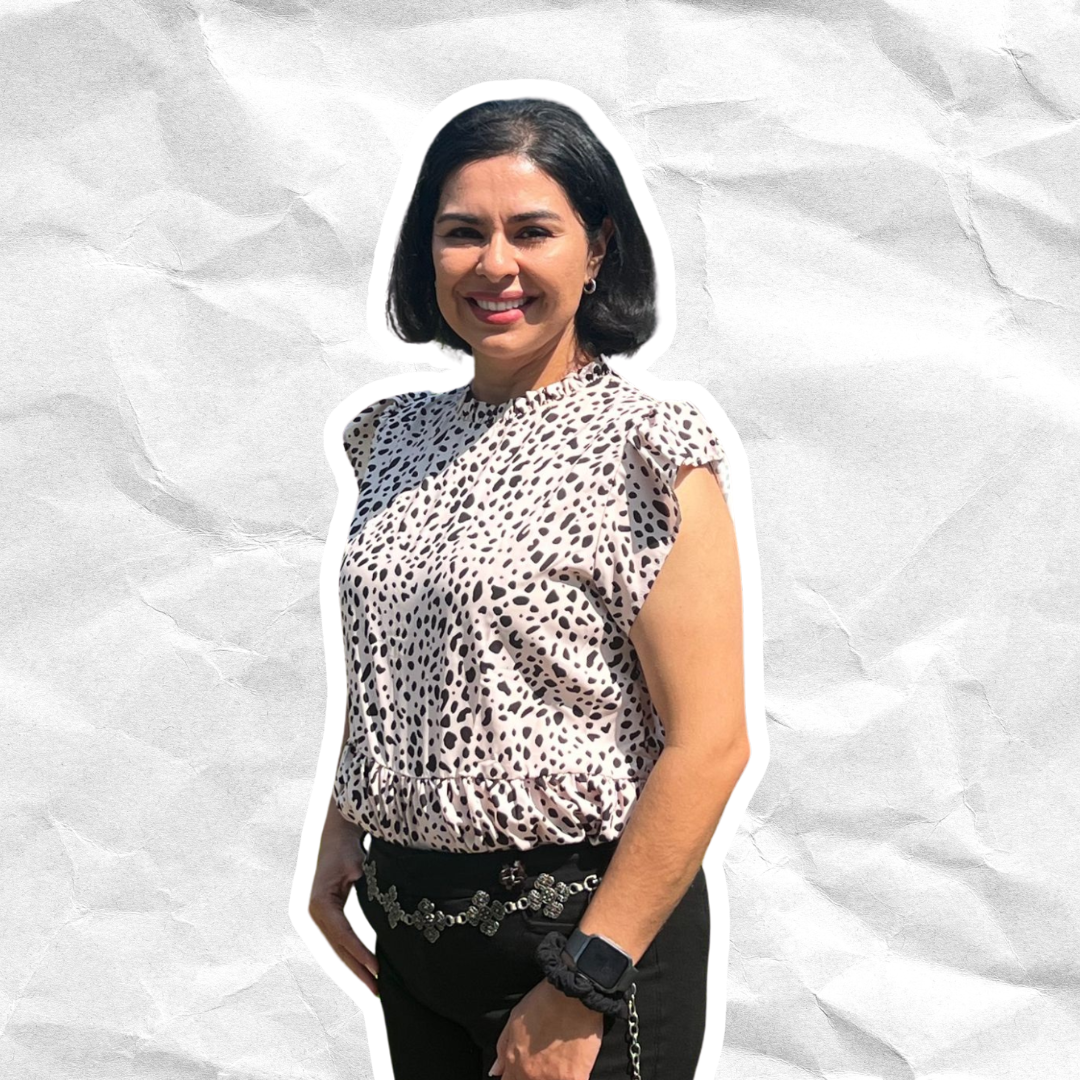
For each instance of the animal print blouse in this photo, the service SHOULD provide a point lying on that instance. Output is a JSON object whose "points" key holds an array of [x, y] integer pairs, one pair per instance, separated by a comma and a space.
{"points": [[497, 559]]}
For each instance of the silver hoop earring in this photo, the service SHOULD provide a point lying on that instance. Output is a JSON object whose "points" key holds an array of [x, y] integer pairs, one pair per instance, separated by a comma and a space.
{"points": [[586, 288]]}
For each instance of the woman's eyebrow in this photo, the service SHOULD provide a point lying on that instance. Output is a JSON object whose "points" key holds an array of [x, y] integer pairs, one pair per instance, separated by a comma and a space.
{"points": [[528, 215]]}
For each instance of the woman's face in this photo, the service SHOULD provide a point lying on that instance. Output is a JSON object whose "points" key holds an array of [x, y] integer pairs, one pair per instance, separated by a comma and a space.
{"points": [[481, 252]]}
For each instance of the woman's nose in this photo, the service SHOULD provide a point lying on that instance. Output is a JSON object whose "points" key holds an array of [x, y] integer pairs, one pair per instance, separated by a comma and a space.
{"points": [[497, 259]]}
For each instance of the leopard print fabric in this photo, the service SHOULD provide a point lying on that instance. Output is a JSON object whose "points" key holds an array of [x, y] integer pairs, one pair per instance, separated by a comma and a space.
{"points": [[497, 559]]}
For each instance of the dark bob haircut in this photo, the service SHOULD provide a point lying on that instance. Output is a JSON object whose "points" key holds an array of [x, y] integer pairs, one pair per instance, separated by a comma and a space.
{"points": [[620, 316]]}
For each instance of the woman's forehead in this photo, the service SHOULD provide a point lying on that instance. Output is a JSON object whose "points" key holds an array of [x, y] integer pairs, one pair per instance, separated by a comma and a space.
{"points": [[504, 179]]}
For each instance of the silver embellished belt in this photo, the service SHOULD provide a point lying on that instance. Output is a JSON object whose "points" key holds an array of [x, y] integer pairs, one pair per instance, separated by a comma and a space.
{"points": [[546, 895]]}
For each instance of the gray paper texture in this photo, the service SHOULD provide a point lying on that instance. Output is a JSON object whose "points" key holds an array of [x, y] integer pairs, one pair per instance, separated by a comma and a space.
{"points": [[872, 217]]}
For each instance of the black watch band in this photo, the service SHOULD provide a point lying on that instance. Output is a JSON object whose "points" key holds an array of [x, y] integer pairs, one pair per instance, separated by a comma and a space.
{"points": [[602, 961]]}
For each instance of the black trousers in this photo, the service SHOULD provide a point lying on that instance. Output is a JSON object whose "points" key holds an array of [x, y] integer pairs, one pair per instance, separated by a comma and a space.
{"points": [[446, 1001]]}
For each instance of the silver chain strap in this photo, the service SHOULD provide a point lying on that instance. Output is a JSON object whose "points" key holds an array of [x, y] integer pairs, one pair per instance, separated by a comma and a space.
{"points": [[632, 1033], [546, 895]]}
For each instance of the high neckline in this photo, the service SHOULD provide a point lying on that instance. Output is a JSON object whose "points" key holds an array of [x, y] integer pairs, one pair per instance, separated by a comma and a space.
{"points": [[470, 407]]}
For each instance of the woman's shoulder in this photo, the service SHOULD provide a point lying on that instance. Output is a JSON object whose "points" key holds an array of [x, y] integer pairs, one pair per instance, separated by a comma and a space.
{"points": [[380, 417], [664, 423], [385, 406], [657, 435]]}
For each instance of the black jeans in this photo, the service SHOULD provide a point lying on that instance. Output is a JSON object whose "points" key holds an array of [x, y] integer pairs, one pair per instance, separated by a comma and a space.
{"points": [[446, 1002]]}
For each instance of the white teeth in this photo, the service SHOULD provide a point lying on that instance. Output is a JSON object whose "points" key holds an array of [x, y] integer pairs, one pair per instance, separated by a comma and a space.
{"points": [[489, 305]]}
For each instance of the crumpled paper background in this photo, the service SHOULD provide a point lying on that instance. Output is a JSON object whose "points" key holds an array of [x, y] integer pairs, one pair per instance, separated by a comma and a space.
{"points": [[873, 212]]}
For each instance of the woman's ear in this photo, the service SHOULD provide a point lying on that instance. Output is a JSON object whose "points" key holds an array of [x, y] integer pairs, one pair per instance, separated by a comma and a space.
{"points": [[599, 245]]}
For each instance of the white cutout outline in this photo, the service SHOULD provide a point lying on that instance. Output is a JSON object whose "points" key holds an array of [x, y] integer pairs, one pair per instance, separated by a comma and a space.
{"points": [[456, 373]]}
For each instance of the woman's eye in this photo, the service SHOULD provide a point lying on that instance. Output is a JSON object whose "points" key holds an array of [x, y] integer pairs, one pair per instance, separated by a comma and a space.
{"points": [[463, 232]]}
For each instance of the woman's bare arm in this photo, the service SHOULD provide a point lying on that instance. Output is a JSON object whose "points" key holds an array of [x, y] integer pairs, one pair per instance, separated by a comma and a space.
{"points": [[688, 637], [339, 865]]}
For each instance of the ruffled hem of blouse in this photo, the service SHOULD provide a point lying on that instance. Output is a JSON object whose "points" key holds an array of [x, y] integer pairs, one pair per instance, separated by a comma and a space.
{"points": [[470, 407], [462, 809]]}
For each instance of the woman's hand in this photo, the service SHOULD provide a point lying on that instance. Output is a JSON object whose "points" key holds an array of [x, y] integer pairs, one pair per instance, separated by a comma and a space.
{"points": [[549, 1036], [339, 865]]}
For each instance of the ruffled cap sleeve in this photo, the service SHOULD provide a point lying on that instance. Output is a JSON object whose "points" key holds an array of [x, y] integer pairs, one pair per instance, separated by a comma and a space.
{"points": [[643, 519], [359, 434]]}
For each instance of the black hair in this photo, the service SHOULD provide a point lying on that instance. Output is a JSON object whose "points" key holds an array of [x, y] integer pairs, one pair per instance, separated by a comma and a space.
{"points": [[620, 316]]}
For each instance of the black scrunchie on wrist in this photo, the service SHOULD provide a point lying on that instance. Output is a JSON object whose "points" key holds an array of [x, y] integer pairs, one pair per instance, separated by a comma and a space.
{"points": [[574, 983]]}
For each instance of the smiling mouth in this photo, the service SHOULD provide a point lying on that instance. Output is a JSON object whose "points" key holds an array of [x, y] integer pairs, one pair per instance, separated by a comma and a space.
{"points": [[491, 307]]}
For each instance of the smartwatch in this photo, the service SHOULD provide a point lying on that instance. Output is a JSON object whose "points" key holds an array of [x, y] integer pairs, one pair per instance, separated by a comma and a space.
{"points": [[601, 960]]}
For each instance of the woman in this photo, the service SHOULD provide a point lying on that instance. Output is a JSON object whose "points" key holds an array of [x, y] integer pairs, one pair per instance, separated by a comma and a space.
{"points": [[539, 756]]}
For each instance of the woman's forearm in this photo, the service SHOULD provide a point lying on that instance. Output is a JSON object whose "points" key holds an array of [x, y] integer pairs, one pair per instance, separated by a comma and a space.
{"points": [[663, 844]]}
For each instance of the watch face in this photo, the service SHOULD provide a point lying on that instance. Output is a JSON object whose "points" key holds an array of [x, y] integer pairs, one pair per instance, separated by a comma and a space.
{"points": [[602, 963]]}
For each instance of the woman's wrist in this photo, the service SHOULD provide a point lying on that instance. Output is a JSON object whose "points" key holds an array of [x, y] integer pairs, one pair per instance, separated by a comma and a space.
{"points": [[562, 972], [571, 1005]]}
